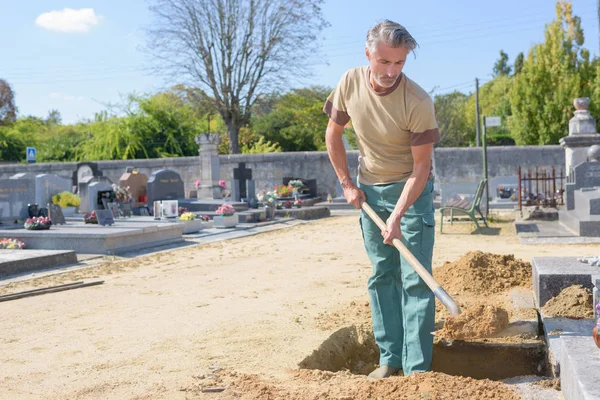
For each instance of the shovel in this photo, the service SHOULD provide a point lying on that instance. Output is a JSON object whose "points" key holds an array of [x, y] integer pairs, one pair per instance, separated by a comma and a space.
{"points": [[435, 287]]}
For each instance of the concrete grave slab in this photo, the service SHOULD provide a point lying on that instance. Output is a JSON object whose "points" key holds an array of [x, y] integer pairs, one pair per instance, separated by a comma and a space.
{"points": [[555, 329], [552, 274], [14, 262], [580, 368], [97, 239]]}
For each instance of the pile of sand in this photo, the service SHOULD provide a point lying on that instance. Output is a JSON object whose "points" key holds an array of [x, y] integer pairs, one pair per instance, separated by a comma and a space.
{"points": [[573, 302], [325, 385], [482, 273], [477, 322]]}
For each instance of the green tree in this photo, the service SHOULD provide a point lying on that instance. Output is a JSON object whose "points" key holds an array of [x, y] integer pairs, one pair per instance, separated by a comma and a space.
{"points": [[543, 93], [450, 110], [518, 66], [296, 122], [8, 109], [494, 100], [15, 137], [501, 67]]}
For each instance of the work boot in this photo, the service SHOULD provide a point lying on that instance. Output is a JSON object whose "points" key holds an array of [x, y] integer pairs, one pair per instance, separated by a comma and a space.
{"points": [[384, 371]]}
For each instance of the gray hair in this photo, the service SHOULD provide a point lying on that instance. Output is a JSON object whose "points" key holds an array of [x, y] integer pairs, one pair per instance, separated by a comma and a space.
{"points": [[391, 34]]}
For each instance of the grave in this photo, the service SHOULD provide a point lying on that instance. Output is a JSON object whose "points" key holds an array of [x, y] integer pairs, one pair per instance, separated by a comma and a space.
{"points": [[13, 262], [137, 184], [92, 192], [45, 185], [582, 211], [98, 239], [503, 192], [164, 185], [15, 196], [82, 170], [553, 274], [239, 189]]}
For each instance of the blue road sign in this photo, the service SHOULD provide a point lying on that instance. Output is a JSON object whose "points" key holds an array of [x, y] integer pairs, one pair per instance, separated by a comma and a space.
{"points": [[31, 154]]}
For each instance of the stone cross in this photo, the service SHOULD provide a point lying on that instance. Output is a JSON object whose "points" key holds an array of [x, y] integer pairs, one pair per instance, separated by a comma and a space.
{"points": [[242, 175]]}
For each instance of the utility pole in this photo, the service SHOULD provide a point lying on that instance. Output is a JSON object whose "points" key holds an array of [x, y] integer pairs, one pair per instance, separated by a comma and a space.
{"points": [[477, 134]]}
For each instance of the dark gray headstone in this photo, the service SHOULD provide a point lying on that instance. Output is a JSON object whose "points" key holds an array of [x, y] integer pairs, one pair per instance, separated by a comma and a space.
{"points": [[164, 185], [55, 214], [15, 197], [105, 217], [242, 174]]}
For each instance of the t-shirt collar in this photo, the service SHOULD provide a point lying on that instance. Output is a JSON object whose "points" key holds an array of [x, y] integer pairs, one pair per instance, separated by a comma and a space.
{"points": [[388, 90]]}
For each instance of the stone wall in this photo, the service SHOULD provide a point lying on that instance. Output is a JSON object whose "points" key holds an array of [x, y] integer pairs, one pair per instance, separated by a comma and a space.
{"points": [[451, 165]]}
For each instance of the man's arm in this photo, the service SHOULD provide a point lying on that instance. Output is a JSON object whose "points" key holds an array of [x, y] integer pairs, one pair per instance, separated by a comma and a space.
{"points": [[412, 190], [337, 155]]}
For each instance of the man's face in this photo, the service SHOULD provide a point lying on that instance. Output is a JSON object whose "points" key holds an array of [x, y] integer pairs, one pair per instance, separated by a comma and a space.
{"points": [[386, 64]]}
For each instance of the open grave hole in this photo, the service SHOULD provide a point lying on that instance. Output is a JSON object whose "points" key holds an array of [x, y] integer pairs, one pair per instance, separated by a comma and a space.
{"points": [[353, 349]]}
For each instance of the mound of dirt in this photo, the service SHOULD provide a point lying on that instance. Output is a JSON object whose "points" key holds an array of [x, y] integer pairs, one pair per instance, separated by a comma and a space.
{"points": [[324, 385], [474, 323], [573, 302], [477, 272]]}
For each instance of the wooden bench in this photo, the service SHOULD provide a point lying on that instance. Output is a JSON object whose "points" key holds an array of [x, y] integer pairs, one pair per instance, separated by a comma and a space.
{"points": [[466, 207]]}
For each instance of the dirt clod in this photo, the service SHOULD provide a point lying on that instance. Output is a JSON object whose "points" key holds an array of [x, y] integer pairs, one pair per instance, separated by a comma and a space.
{"points": [[573, 302], [477, 272], [477, 322]]}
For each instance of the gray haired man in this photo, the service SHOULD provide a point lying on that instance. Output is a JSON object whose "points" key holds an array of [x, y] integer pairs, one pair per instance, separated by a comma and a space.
{"points": [[396, 129]]}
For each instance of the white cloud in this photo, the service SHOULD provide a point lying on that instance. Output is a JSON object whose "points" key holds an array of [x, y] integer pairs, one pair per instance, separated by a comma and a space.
{"points": [[69, 20]]}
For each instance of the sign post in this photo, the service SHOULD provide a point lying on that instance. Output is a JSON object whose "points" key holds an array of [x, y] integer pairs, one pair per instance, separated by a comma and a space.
{"points": [[31, 154]]}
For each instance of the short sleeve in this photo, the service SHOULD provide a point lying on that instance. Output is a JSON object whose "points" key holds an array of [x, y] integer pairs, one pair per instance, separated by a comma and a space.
{"points": [[335, 106], [422, 126]]}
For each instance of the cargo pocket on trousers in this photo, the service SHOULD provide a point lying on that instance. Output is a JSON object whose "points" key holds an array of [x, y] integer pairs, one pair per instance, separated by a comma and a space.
{"points": [[428, 234]]}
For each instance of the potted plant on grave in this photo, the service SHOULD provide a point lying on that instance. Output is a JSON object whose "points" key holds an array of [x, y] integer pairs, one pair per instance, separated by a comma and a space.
{"points": [[11, 244], [225, 217], [268, 200], [283, 191], [122, 194], [37, 223], [295, 185], [191, 222], [298, 203], [67, 201], [90, 218]]}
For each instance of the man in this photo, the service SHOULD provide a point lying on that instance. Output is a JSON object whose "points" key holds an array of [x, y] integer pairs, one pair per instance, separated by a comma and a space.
{"points": [[396, 129]]}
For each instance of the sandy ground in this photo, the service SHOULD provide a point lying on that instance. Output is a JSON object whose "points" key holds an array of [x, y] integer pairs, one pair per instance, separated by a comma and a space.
{"points": [[161, 322]]}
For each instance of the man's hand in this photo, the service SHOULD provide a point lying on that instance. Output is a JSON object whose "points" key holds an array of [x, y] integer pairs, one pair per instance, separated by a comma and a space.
{"points": [[354, 195], [392, 230]]}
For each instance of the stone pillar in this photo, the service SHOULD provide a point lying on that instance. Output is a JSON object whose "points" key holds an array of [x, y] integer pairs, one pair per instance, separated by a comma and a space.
{"points": [[209, 165], [582, 135]]}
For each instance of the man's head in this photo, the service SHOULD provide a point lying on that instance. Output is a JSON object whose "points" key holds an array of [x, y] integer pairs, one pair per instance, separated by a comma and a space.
{"points": [[388, 44]]}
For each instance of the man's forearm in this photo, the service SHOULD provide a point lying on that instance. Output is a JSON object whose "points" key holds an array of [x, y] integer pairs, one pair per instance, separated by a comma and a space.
{"points": [[413, 189], [337, 155]]}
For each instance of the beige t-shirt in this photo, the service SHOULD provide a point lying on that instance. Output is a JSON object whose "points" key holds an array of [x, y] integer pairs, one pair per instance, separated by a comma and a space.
{"points": [[386, 123]]}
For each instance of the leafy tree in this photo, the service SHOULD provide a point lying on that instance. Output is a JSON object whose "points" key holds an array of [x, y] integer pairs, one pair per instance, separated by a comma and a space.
{"points": [[543, 92], [8, 109], [15, 138], [54, 117], [297, 122], [236, 50], [501, 67], [494, 100], [518, 66], [450, 110]]}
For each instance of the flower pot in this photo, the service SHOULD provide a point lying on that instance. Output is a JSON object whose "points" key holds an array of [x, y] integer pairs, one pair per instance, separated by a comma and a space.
{"points": [[225, 221], [269, 213], [192, 226], [68, 211]]}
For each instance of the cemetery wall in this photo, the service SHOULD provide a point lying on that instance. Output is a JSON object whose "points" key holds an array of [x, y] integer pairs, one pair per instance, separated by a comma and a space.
{"points": [[451, 165]]}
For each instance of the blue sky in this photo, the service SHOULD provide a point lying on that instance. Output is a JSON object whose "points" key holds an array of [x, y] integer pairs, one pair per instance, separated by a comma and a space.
{"points": [[77, 62]]}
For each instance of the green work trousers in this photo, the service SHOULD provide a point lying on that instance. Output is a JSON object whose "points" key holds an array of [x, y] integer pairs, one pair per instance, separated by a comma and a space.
{"points": [[402, 305]]}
